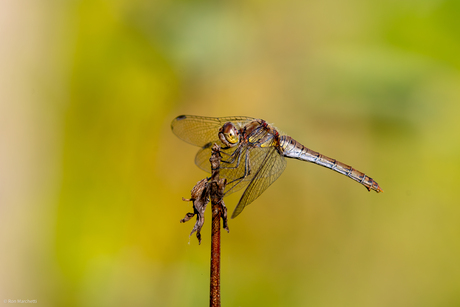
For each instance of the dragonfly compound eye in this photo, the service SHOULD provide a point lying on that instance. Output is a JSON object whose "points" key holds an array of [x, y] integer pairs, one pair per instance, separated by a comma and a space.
{"points": [[228, 134]]}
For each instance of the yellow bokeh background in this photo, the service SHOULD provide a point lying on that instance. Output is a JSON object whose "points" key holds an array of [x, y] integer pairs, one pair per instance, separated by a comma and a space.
{"points": [[91, 176]]}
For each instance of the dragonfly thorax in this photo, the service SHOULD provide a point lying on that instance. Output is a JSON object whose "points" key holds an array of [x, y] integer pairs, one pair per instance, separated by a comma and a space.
{"points": [[229, 135]]}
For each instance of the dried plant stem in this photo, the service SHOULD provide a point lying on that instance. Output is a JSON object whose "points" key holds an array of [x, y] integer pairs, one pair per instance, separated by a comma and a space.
{"points": [[213, 189], [217, 187], [215, 257]]}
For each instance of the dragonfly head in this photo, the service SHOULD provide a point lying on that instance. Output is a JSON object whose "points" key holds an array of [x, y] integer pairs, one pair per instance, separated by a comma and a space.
{"points": [[229, 135]]}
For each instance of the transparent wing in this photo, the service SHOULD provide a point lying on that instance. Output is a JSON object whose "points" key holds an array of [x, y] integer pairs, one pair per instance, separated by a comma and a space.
{"points": [[201, 130], [239, 168], [271, 167]]}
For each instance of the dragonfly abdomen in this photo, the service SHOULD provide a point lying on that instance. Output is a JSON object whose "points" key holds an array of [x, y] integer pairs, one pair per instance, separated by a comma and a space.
{"points": [[293, 149]]}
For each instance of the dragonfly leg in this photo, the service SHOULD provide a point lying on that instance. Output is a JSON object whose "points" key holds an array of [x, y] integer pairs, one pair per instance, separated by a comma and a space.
{"points": [[236, 155], [247, 169], [247, 172], [231, 158]]}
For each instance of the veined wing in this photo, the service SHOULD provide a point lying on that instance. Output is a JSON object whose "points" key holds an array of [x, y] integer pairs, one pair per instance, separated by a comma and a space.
{"points": [[201, 130], [238, 169], [271, 167], [235, 153]]}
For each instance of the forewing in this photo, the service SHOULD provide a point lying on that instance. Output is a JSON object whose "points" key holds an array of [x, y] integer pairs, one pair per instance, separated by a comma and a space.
{"points": [[201, 130]]}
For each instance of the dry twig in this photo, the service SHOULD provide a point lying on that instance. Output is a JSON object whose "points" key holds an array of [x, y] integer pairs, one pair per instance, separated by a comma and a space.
{"points": [[210, 188]]}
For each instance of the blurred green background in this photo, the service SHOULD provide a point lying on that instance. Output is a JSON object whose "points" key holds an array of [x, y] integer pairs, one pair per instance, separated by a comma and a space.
{"points": [[91, 176]]}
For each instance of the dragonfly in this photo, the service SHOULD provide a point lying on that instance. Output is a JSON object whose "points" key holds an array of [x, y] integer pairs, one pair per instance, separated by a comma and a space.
{"points": [[253, 153]]}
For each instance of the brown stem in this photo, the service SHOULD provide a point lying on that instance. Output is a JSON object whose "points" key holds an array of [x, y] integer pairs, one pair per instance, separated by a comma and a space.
{"points": [[217, 187], [215, 256], [204, 190]]}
